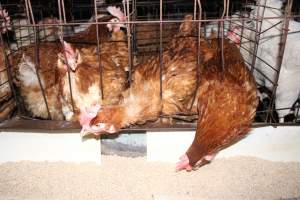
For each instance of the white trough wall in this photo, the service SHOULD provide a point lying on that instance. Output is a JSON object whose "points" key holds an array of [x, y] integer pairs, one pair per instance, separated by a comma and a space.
{"points": [[68, 147], [275, 144]]}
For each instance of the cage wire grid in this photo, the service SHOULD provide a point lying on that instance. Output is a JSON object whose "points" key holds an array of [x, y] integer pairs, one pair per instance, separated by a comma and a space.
{"points": [[149, 26]]}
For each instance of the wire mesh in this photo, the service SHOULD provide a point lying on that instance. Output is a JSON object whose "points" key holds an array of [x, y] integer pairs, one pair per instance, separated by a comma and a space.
{"points": [[150, 25]]}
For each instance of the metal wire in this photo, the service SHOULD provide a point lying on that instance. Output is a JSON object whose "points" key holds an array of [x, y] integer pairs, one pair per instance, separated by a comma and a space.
{"points": [[222, 28], [62, 15], [161, 65], [150, 21], [281, 49], [129, 37], [99, 51], [131, 21], [258, 30], [37, 59], [9, 72], [198, 51], [225, 10]]}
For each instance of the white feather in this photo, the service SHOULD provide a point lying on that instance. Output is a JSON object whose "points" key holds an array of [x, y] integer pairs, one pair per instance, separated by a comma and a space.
{"points": [[289, 82]]}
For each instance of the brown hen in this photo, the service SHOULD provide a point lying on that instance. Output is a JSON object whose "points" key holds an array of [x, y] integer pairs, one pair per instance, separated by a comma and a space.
{"points": [[89, 35], [227, 102], [142, 102], [226, 95], [85, 75], [7, 104], [25, 63]]}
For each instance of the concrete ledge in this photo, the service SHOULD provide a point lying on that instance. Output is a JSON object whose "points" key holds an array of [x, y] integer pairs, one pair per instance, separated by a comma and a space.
{"points": [[16, 146], [274, 144]]}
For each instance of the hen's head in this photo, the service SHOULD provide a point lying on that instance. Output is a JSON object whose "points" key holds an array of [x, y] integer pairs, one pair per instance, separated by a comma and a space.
{"points": [[94, 120], [240, 28], [69, 57], [114, 11], [5, 21], [117, 22], [187, 26], [234, 34]]}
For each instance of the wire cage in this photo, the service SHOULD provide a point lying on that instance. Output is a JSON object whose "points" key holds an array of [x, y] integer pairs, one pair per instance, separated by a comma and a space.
{"points": [[33, 29]]}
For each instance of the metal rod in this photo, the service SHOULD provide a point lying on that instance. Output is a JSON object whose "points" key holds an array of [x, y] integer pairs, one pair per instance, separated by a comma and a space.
{"points": [[133, 35], [198, 54], [260, 60], [64, 52], [9, 73], [222, 36], [160, 49], [195, 9], [276, 70], [242, 33], [129, 35], [281, 49], [5, 82], [274, 25], [63, 10], [227, 9], [242, 37], [127, 16], [242, 26], [37, 58], [148, 22], [99, 51], [258, 27], [134, 29]]}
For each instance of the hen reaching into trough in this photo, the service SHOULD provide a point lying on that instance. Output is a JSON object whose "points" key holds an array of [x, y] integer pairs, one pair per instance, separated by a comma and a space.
{"points": [[225, 97], [227, 103]]}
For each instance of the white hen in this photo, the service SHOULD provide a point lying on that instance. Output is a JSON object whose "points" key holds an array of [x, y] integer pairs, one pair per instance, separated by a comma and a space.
{"points": [[268, 50]]}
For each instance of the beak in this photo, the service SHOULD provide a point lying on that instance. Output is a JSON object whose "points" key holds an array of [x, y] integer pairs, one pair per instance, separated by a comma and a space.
{"points": [[98, 129]]}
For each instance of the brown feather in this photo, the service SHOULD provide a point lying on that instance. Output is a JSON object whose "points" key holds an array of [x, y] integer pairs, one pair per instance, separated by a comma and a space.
{"points": [[86, 87], [227, 103], [226, 98], [5, 92], [26, 79], [90, 34]]}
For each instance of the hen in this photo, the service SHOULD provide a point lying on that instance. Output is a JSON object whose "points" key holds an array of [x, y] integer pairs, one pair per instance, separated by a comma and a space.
{"points": [[25, 63], [226, 98], [89, 34], [227, 103], [85, 75], [6, 101], [288, 89], [54, 78]]}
